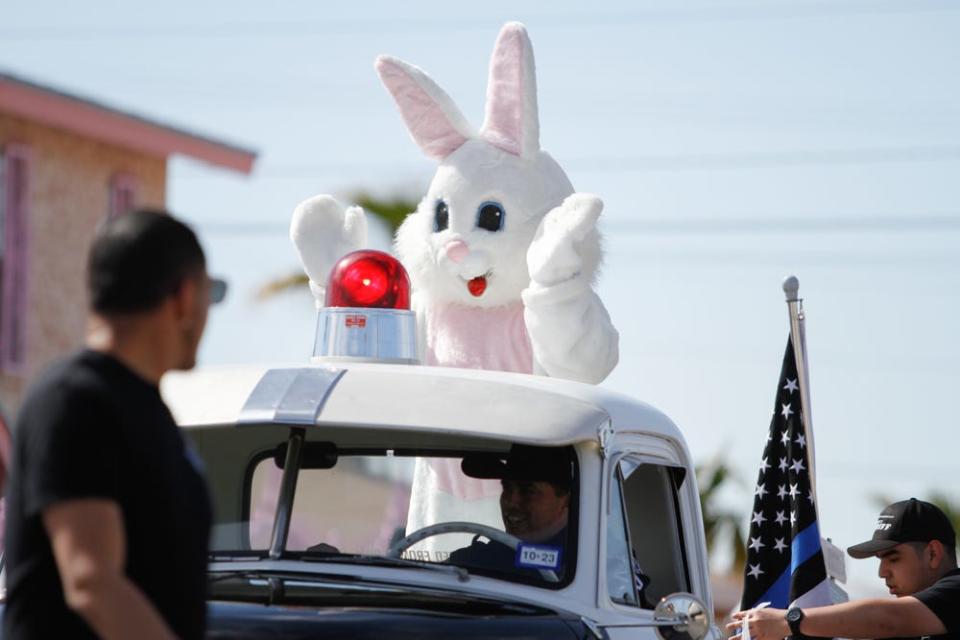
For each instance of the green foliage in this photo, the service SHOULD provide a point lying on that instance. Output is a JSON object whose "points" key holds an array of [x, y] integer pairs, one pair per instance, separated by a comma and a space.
{"points": [[391, 210], [290, 282], [720, 523]]}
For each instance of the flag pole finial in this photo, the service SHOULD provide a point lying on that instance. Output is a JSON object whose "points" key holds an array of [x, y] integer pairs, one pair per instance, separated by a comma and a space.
{"points": [[791, 288]]}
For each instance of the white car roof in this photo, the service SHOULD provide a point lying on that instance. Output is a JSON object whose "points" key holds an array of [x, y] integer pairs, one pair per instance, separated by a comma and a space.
{"points": [[490, 404]]}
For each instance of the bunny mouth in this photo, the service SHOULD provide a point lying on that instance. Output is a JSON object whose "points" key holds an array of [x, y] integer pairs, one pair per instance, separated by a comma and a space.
{"points": [[476, 286]]}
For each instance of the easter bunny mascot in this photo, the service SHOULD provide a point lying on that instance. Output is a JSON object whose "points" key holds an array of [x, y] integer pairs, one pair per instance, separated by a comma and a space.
{"points": [[501, 252]]}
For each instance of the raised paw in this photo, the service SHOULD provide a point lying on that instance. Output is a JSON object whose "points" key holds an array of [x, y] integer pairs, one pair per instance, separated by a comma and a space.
{"points": [[556, 253], [323, 231]]}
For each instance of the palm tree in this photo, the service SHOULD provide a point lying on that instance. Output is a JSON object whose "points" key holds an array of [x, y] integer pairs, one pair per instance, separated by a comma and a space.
{"points": [[720, 523]]}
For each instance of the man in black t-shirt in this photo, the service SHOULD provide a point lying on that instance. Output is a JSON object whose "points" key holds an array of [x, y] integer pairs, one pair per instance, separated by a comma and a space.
{"points": [[916, 545], [108, 516]]}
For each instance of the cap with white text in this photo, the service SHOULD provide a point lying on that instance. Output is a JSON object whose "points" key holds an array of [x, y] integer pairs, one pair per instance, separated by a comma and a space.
{"points": [[906, 521]]}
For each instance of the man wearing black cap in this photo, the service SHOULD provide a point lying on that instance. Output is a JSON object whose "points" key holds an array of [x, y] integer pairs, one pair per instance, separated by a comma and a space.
{"points": [[108, 516], [916, 545], [534, 502]]}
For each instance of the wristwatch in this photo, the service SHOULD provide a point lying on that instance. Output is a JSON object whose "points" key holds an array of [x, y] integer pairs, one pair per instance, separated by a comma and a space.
{"points": [[794, 618]]}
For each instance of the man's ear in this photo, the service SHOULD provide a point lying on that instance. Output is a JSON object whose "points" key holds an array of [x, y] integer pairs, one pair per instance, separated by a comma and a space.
{"points": [[185, 299], [934, 554]]}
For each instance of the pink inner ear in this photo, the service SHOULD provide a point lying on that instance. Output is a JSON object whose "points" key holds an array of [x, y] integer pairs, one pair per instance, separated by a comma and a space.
{"points": [[430, 127], [503, 127]]}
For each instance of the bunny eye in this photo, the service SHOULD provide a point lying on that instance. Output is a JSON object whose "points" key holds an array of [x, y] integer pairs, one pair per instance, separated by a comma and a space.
{"points": [[490, 216], [441, 216]]}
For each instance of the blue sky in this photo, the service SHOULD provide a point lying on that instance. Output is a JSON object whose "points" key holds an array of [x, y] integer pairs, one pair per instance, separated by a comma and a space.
{"points": [[733, 143]]}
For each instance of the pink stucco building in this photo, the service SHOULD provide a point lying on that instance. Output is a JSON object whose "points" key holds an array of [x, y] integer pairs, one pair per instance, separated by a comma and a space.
{"points": [[66, 163]]}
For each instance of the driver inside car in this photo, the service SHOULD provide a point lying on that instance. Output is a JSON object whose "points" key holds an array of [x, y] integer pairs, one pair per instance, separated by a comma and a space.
{"points": [[534, 503]]}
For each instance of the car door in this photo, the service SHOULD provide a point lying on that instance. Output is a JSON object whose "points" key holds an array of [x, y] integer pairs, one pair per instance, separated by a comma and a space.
{"points": [[647, 550]]}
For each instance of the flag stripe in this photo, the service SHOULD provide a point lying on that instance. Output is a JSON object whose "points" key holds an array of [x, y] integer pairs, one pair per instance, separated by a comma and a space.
{"points": [[804, 546], [778, 592], [810, 574]]}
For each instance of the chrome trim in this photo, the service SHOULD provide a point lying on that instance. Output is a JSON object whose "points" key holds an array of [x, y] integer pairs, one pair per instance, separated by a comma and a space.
{"points": [[290, 396], [379, 335], [594, 628]]}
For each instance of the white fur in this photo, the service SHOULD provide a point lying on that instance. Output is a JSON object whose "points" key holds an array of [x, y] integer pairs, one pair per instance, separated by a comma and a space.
{"points": [[323, 232], [538, 313], [546, 256]]}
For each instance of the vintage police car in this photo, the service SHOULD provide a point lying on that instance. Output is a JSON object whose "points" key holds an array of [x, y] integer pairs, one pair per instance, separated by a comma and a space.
{"points": [[343, 489]]}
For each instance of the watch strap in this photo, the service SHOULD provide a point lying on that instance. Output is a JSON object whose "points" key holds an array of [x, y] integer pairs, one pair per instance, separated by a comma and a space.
{"points": [[794, 617]]}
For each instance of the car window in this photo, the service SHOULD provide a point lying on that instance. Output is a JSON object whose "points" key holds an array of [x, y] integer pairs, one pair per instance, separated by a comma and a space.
{"points": [[358, 506], [370, 501], [650, 502], [620, 573]]}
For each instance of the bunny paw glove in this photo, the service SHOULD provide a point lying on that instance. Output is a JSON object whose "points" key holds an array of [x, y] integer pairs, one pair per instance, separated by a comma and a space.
{"points": [[570, 330], [555, 255], [323, 232]]}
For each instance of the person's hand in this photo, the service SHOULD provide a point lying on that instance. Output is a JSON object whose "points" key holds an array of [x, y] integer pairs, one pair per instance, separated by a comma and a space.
{"points": [[765, 624]]}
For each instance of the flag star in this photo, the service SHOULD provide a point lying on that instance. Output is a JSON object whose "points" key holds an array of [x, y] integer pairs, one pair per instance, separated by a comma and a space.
{"points": [[785, 438], [760, 491], [793, 518], [797, 466], [810, 496], [786, 411], [801, 440], [764, 465], [755, 570], [791, 385], [779, 545], [783, 464], [781, 517], [782, 491], [756, 544], [758, 518], [794, 492]]}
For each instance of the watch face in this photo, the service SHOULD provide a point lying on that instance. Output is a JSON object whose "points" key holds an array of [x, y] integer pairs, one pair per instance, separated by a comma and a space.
{"points": [[793, 615]]}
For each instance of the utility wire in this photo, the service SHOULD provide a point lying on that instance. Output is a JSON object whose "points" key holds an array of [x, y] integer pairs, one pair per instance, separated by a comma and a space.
{"points": [[740, 225], [373, 26], [721, 161], [777, 224]]}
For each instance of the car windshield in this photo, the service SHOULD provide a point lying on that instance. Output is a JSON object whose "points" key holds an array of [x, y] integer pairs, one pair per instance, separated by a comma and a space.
{"points": [[504, 514]]}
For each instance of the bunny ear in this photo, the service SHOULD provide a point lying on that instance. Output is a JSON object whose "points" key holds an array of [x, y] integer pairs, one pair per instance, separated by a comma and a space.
{"points": [[511, 121], [432, 118]]}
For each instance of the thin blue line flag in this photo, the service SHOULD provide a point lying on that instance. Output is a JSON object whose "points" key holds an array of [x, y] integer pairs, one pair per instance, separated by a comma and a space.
{"points": [[785, 564]]}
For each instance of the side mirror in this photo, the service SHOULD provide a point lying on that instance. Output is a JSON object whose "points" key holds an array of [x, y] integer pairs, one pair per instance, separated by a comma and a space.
{"points": [[681, 616]]}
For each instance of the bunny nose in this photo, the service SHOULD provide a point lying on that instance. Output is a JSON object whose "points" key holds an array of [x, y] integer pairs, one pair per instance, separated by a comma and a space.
{"points": [[457, 251]]}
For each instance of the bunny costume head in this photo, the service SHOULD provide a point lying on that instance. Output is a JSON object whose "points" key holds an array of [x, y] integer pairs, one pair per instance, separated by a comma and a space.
{"points": [[501, 252], [467, 241]]}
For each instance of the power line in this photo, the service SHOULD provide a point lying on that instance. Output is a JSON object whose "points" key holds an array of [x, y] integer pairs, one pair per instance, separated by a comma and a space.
{"points": [[740, 225], [371, 26], [719, 161], [777, 224], [772, 159]]}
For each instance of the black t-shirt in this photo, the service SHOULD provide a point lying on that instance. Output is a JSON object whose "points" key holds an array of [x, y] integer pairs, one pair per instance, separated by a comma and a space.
{"points": [[92, 428], [943, 599]]}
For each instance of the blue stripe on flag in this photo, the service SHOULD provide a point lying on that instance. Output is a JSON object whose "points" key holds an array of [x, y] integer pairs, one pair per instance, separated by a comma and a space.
{"points": [[802, 548]]}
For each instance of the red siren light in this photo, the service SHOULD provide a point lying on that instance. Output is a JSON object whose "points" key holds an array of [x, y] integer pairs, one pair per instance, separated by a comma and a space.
{"points": [[369, 279]]}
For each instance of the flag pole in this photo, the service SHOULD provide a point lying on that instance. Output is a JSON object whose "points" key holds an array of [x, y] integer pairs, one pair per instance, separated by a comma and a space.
{"points": [[791, 289]]}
